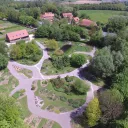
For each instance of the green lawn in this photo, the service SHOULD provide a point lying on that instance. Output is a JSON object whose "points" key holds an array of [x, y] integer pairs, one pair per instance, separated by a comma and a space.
{"points": [[25, 111], [100, 15]]}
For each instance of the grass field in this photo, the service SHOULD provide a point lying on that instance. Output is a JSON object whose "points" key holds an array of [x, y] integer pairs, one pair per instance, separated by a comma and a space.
{"points": [[100, 15]]}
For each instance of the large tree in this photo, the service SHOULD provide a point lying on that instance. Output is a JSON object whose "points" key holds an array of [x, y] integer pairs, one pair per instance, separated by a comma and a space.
{"points": [[102, 64], [111, 104], [10, 113]]}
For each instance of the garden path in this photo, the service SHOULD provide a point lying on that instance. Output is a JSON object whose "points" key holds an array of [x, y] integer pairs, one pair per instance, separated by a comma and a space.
{"points": [[25, 83]]}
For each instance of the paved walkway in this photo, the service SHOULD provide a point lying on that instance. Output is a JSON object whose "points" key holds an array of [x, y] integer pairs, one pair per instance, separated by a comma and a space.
{"points": [[24, 83]]}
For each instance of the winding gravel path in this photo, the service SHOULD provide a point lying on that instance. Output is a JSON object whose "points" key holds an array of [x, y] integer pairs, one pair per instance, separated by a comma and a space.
{"points": [[25, 83]]}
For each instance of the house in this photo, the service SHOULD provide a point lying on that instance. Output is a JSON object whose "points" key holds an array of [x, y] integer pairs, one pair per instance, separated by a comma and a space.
{"points": [[17, 35], [87, 23], [76, 19], [69, 16], [47, 16]]}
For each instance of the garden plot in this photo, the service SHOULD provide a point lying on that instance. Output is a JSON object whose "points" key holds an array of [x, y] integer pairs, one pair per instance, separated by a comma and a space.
{"points": [[26, 72], [36, 122], [7, 81], [60, 97]]}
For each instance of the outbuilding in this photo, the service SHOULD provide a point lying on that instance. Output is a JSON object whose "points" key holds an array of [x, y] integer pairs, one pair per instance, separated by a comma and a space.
{"points": [[17, 35]]}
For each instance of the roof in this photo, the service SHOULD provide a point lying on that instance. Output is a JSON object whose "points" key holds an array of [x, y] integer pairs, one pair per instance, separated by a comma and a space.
{"points": [[47, 15], [17, 34], [86, 22], [67, 15], [76, 19]]}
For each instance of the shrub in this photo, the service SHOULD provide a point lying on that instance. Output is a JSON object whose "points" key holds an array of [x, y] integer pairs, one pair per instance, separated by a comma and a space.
{"points": [[79, 87], [58, 52], [68, 79], [61, 62], [3, 61], [33, 87], [77, 60]]}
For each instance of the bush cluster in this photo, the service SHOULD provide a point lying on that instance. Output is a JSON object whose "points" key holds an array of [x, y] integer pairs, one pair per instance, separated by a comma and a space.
{"points": [[22, 50]]}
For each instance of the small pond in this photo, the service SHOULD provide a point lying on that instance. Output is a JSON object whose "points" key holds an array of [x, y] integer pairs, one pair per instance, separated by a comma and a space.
{"points": [[66, 47]]}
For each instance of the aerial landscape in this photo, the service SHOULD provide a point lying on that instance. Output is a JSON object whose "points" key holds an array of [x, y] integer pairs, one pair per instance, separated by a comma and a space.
{"points": [[63, 64]]}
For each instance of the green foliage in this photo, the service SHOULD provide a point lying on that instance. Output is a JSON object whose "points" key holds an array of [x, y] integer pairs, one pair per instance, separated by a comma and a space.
{"points": [[79, 87], [117, 23], [61, 62], [3, 61], [102, 64], [10, 114], [77, 60], [52, 44], [70, 86], [111, 104], [25, 51], [61, 32], [93, 112]]}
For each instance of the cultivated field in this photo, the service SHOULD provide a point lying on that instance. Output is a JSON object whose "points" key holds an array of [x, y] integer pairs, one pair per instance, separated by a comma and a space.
{"points": [[100, 15]]}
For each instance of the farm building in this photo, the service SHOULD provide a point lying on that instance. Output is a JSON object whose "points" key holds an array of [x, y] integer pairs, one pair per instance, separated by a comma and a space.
{"points": [[47, 16], [87, 23], [17, 35]]}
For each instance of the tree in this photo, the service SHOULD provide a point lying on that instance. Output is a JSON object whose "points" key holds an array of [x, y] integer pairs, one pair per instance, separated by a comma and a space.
{"points": [[3, 61], [10, 113], [102, 64], [3, 48], [52, 44], [93, 112], [79, 87], [77, 60], [111, 104], [15, 52]]}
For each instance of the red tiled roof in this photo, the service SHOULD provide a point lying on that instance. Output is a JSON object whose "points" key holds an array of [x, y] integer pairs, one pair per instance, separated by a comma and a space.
{"points": [[68, 15], [76, 19], [47, 16], [17, 35], [86, 22]]}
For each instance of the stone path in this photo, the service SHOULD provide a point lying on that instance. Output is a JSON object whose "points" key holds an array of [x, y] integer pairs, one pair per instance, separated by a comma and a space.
{"points": [[25, 83]]}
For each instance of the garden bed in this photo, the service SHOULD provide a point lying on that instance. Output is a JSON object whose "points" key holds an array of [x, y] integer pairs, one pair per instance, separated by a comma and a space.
{"points": [[49, 69], [58, 100], [7, 81]]}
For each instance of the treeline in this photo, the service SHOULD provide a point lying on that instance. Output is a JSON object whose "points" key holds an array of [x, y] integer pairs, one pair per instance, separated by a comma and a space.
{"points": [[109, 108], [62, 32], [103, 6]]}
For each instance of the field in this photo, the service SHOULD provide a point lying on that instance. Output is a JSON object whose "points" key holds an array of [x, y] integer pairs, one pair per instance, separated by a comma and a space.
{"points": [[99, 15], [6, 26]]}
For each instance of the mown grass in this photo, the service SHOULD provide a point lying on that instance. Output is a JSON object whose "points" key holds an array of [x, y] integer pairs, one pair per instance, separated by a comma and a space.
{"points": [[100, 15]]}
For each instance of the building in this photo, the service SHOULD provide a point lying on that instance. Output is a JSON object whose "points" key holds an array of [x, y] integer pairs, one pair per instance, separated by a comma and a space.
{"points": [[17, 35], [87, 23], [69, 16], [47, 16], [76, 19]]}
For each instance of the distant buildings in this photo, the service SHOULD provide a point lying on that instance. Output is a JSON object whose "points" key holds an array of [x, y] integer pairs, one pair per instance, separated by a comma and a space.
{"points": [[87, 23], [47, 16], [17, 35], [76, 19]]}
